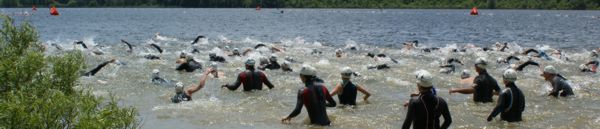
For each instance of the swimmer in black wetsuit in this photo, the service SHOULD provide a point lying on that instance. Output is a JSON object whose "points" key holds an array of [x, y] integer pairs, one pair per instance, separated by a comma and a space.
{"points": [[198, 39], [314, 96], [95, 70], [273, 64], [156, 77], [188, 64], [425, 109], [485, 86], [347, 90], [251, 79], [128, 46], [82, 44], [557, 82], [511, 102], [186, 95], [529, 62], [214, 57]]}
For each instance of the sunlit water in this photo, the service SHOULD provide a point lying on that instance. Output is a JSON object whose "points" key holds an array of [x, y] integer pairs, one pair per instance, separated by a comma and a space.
{"points": [[299, 31]]}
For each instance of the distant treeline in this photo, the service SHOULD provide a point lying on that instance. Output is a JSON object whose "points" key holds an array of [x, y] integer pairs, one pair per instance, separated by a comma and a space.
{"points": [[451, 4]]}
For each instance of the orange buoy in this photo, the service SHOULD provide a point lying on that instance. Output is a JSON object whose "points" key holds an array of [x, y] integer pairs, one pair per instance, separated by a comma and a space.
{"points": [[53, 11], [474, 11]]}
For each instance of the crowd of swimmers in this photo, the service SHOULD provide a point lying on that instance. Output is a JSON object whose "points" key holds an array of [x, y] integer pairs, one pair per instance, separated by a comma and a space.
{"points": [[423, 109]]}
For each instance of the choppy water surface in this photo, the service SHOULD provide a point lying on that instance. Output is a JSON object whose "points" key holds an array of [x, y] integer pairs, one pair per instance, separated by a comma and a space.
{"points": [[299, 31]]}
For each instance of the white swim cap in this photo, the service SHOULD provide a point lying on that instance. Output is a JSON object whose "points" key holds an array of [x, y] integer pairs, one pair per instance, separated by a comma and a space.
{"points": [[424, 79], [346, 72], [510, 75], [179, 87], [481, 63], [214, 65], [308, 70], [583, 67], [155, 71], [550, 70], [465, 74]]}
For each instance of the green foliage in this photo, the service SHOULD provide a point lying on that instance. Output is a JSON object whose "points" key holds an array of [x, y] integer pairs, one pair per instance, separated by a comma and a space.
{"points": [[491, 4], [38, 91]]}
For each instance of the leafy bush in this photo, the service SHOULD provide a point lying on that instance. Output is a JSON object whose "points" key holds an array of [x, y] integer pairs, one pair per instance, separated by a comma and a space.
{"points": [[37, 91]]}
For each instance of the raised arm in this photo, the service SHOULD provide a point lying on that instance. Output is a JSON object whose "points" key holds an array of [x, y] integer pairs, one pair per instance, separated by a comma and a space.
{"points": [[200, 85]]}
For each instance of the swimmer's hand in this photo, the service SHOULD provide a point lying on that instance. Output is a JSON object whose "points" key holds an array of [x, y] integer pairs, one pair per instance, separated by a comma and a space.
{"points": [[286, 120], [489, 118], [224, 85], [414, 94], [451, 91], [405, 104]]}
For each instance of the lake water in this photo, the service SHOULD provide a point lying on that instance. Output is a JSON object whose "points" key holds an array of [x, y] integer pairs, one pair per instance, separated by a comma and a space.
{"points": [[299, 31]]}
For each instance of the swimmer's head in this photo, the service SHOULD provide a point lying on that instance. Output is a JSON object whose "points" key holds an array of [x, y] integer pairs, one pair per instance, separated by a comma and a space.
{"points": [[346, 72], [263, 60], [273, 58], [481, 63], [307, 72], [509, 75], [179, 87], [212, 54], [424, 79], [549, 72], [214, 66], [465, 74], [250, 62], [155, 71]]}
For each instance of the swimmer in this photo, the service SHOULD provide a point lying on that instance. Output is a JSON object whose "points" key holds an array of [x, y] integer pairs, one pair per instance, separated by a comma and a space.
{"points": [[314, 96], [523, 65], [187, 64], [511, 101], [128, 46], [251, 79], [198, 39], [484, 86], [82, 44], [186, 95], [99, 67], [156, 77], [558, 83], [507, 60], [214, 57], [590, 66], [285, 66], [273, 64], [466, 79], [347, 90], [160, 50], [152, 57], [338, 53], [425, 109], [235, 52], [215, 72]]}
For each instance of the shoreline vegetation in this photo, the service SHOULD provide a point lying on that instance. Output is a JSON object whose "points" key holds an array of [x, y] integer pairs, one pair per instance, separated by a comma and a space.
{"points": [[362, 4], [36, 94]]}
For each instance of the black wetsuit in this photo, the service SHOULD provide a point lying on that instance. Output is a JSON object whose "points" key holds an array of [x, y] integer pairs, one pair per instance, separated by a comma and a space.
{"points": [[530, 62], [286, 69], [313, 97], [511, 104], [180, 97], [273, 65], [424, 112], [252, 80], [95, 70], [151, 57], [157, 79], [379, 67], [190, 66], [217, 59], [484, 90], [559, 84], [348, 94]]}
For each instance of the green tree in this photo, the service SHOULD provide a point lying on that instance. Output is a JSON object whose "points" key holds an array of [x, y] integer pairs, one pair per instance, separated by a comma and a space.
{"points": [[37, 91]]}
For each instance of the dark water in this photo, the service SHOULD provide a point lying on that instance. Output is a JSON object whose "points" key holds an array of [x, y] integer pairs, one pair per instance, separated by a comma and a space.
{"points": [[299, 31]]}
